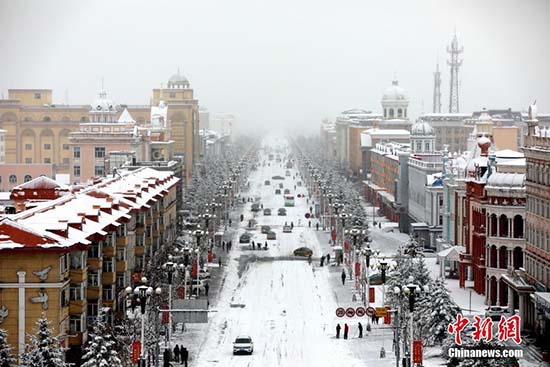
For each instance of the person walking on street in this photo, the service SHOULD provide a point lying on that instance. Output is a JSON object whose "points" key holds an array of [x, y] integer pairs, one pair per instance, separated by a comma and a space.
{"points": [[343, 276], [184, 355], [317, 226], [291, 225], [328, 259], [166, 358], [309, 259], [176, 353], [322, 260], [229, 222], [206, 288], [338, 331], [220, 262], [346, 330], [360, 327], [223, 245], [253, 246]]}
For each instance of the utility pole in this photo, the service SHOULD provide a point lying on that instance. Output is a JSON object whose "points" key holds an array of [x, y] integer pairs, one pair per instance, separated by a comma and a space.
{"points": [[454, 51], [437, 90]]}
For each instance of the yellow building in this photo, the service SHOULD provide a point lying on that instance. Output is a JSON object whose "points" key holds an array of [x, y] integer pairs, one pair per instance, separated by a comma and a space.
{"points": [[71, 254]]}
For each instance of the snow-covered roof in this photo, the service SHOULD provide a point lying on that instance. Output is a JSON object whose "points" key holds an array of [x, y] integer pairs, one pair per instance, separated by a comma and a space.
{"points": [[508, 153], [41, 182], [506, 180]]}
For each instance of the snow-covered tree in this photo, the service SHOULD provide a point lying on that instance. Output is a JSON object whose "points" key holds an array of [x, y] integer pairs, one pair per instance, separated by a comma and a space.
{"points": [[6, 357], [434, 312], [420, 273], [44, 350], [100, 349]]}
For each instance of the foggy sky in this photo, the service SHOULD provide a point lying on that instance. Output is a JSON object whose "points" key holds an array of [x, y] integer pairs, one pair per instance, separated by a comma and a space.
{"points": [[287, 63]]}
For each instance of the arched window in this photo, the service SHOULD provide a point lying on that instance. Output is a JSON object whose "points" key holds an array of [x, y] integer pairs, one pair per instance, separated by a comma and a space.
{"points": [[503, 226], [399, 112], [28, 178], [84, 119], [493, 224], [518, 226], [13, 179], [391, 113], [47, 118]]}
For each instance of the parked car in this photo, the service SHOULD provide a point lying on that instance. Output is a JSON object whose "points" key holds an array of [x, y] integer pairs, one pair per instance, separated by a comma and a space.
{"points": [[267, 211], [287, 191], [271, 235], [245, 238], [287, 173], [278, 192], [267, 182], [287, 229], [303, 251], [281, 185], [252, 223], [255, 207], [194, 283], [265, 229], [281, 212], [277, 178], [204, 274], [495, 312], [243, 344]]}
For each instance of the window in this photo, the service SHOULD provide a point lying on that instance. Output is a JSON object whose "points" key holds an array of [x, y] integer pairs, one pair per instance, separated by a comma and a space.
{"points": [[78, 260], [108, 266], [94, 250], [65, 160], [28, 178], [172, 95], [28, 146], [99, 170], [93, 278], [64, 297], [140, 261], [77, 291], [13, 179], [47, 160], [108, 293], [121, 280], [47, 119], [427, 147], [76, 171], [63, 263], [47, 147], [28, 160], [99, 152], [121, 254], [75, 324], [37, 96], [93, 308], [76, 152], [65, 146]]}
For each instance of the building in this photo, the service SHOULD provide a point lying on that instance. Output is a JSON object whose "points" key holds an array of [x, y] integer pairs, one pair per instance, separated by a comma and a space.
{"points": [[13, 174], [371, 137], [449, 130], [71, 251], [2, 146], [395, 104], [537, 247]]}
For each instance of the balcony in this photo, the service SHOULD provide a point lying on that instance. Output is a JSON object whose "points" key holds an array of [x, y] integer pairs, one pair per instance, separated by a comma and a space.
{"points": [[121, 266], [94, 292], [122, 241], [108, 278], [77, 307], [505, 241], [156, 233], [109, 303], [94, 263], [79, 275], [149, 221], [148, 241], [78, 339], [139, 250], [109, 251], [140, 230]]}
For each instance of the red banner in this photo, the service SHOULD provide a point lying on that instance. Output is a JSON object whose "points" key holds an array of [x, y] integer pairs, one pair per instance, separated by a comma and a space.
{"points": [[165, 315], [333, 235], [417, 351], [194, 270], [357, 269], [387, 318], [136, 351], [181, 292], [371, 294], [210, 256], [136, 277], [346, 247]]}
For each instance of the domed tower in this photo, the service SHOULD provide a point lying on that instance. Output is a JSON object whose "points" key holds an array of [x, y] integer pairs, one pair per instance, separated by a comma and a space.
{"points": [[422, 137], [178, 81], [395, 102], [103, 109]]}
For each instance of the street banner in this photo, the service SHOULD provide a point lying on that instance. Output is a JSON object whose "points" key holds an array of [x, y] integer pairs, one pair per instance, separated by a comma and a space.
{"points": [[194, 270], [181, 292], [417, 351], [136, 351], [357, 269], [371, 294], [387, 318], [380, 311], [165, 315], [346, 247], [333, 235]]}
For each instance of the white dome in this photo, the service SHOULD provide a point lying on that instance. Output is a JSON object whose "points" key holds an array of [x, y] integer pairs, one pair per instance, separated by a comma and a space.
{"points": [[178, 79], [422, 128], [103, 104], [394, 93]]}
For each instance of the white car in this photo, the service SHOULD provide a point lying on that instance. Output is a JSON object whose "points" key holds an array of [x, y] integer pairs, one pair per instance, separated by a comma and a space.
{"points": [[243, 344]]}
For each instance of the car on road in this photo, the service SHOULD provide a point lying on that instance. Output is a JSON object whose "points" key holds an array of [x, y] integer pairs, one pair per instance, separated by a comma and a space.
{"points": [[287, 173], [287, 229], [287, 191], [267, 182], [204, 274], [265, 229], [303, 251], [281, 186], [281, 212], [278, 192], [277, 178], [245, 238], [243, 344], [267, 211], [271, 235], [255, 207]]}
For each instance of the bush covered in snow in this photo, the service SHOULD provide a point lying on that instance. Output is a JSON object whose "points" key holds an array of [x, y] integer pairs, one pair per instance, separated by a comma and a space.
{"points": [[44, 349], [6, 357]]}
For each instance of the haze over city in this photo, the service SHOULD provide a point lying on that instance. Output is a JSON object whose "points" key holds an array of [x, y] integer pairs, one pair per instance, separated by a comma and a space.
{"points": [[283, 63]]}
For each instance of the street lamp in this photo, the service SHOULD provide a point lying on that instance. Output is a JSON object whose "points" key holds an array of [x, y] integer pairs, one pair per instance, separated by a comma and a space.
{"points": [[367, 252], [170, 268], [198, 233], [141, 294]]}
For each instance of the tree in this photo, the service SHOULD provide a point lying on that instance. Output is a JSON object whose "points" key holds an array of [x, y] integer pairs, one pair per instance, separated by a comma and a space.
{"points": [[100, 349], [434, 312], [6, 357], [44, 350], [420, 273]]}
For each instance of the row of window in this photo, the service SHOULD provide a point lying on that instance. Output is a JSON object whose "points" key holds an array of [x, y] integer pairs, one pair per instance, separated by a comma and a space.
{"points": [[99, 170], [47, 160], [99, 152], [13, 178], [538, 174], [537, 270], [538, 206], [47, 146], [538, 238]]}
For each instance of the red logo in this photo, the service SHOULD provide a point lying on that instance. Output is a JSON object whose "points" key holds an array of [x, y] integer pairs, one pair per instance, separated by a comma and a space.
{"points": [[417, 351], [136, 351], [457, 327], [508, 328]]}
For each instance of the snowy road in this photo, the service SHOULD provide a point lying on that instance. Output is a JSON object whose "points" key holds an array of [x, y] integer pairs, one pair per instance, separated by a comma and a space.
{"points": [[288, 305]]}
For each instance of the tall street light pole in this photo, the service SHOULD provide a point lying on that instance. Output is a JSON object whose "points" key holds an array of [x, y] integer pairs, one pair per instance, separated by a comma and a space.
{"points": [[198, 233], [170, 268]]}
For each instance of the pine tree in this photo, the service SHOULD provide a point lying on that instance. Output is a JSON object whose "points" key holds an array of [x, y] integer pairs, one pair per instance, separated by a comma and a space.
{"points": [[420, 273], [6, 357], [100, 350], [44, 350]]}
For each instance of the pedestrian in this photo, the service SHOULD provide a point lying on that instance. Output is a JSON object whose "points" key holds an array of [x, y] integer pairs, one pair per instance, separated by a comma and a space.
{"points": [[309, 259], [322, 260], [360, 327], [291, 225], [242, 217], [346, 330], [373, 319], [307, 201], [310, 209], [223, 245], [309, 223], [380, 225], [343, 277], [253, 246], [265, 245], [377, 320], [229, 222], [317, 226], [230, 245], [328, 259], [184, 355], [338, 331], [206, 288], [166, 358], [176, 353]]}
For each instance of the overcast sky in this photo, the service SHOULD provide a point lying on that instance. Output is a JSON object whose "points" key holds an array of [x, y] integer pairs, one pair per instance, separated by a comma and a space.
{"points": [[282, 62]]}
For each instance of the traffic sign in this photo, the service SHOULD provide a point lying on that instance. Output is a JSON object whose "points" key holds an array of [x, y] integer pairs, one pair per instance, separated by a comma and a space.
{"points": [[360, 311], [308, 215], [370, 311], [340, 312], [381, 311], [350, 312]]}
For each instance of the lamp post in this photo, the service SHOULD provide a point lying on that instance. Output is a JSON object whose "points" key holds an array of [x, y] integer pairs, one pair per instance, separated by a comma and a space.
{"points": [[198, 233], [367, 252], [170, 268], [141, 294], [383, 265]]}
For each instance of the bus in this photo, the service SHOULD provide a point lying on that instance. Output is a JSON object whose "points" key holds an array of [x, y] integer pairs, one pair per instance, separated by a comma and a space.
{"points": [[289, 200]]}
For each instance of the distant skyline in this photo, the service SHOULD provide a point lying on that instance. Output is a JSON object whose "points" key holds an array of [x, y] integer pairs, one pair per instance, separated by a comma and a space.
{"points": [[280, 64]]}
